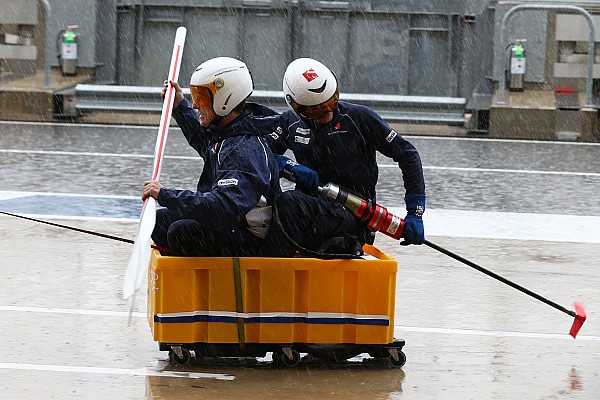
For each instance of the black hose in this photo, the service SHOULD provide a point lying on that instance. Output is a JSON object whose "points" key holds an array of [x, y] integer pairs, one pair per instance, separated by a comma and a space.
{"points": [[72, 228]]}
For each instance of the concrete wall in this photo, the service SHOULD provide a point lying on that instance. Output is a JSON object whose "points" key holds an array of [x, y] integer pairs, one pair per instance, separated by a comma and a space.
{"points": [[18, 12], [84, 14], [106, 42], [407, 47], [386, 47]]}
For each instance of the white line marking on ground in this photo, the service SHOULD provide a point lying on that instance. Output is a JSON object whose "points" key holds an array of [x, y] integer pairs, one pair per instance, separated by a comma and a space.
{"points": [[509, 225], [71, 125], [397, 328], [501, 171], [115, 371], [476, 332], [426, 167], [52, 310], [514, 171], [92, 154], [11, 195], [415, 136], [488, 140]]}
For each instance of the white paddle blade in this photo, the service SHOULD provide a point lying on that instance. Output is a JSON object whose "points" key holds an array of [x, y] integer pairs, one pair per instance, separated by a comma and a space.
{"points": [[140, 256]]}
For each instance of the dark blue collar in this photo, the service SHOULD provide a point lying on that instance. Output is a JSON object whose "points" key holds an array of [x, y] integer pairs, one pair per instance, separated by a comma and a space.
{"points": [[239, 126]]}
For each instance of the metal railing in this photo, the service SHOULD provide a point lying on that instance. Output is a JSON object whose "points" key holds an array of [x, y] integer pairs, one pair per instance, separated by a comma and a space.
{"points": [[409, 109], [591, 42], [47, 44]]}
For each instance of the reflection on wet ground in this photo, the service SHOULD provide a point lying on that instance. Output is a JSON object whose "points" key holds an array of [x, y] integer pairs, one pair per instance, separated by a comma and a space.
{"points": [[66, 331], [311, 381]]}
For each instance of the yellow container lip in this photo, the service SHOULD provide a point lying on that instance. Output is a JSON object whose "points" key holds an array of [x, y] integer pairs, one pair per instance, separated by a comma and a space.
{"points": [[372, 254]]}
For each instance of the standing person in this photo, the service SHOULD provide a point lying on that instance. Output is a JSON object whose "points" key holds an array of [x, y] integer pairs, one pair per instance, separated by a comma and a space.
{"points": [[230, 213], [335, 141]]}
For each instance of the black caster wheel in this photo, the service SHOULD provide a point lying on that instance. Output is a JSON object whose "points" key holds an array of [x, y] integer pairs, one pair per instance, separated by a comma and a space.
{"points": [[397, 363], [281, 358], [185, 358]]}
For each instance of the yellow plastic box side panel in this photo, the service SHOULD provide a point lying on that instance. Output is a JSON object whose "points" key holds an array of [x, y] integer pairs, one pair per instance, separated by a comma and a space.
{"points": [[346, 287], [284, 300], [183, 288]]}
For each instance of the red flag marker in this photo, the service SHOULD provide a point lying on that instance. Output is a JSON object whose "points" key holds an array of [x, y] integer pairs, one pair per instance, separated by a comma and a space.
{"points": [[579, 319]]}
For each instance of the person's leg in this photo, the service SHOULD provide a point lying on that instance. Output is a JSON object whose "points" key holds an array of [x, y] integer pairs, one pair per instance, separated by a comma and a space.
{"points": [[164, 219], [189, 238], [310, 221], [186, 237]]}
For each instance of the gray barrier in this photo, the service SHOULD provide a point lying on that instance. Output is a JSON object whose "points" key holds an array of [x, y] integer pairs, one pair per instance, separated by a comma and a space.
{"points": [[392, 108]]}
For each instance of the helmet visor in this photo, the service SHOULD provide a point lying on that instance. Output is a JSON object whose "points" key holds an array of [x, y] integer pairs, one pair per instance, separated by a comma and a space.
{"points": [[201, 96], [317, 111]]}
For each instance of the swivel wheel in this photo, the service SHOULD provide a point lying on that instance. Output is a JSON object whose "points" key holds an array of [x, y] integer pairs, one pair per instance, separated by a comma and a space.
{"points": [[180, 355], [399, 363], [289, 357]]}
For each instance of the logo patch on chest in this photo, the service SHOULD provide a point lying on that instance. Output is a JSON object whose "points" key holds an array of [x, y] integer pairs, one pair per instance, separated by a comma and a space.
{"points": [[337, 129], [275, 134], [227, 182], [303, 131], [301, 139]]}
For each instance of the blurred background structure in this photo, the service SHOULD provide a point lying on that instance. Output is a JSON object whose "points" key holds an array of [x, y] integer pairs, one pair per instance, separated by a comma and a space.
{"points": [[428, 62]]}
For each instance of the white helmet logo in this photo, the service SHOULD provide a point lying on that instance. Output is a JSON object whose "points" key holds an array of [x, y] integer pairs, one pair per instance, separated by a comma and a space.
{"points": [[310, 75]]}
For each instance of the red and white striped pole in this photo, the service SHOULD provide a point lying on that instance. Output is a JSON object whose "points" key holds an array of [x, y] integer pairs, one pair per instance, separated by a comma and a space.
{"points": [[140, 256]]}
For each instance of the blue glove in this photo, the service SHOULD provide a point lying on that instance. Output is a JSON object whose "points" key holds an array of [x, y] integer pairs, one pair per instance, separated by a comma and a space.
{"points": [[414, 232], [306, 179]]}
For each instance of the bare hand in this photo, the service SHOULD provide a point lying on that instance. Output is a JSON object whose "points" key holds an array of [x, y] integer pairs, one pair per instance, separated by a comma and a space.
{"points": [[151, 189], [178, 92]]}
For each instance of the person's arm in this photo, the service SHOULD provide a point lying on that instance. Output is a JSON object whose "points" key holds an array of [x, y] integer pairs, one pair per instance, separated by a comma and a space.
{"points": [[305, 178], [242, 177], [151, 189], [187, 119], [273, 128], [178, 92], [391, 144]]}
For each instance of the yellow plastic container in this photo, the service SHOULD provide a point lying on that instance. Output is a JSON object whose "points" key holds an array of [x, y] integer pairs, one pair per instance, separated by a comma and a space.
{"points": [[245, 301]]}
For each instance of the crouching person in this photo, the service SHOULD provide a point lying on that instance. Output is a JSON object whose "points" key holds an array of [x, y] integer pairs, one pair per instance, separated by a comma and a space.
{"points": [[230, 212]]}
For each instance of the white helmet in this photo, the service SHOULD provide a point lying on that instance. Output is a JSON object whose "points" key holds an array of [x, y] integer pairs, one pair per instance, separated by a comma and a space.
{"points": [[308, 83], [228, 80]]}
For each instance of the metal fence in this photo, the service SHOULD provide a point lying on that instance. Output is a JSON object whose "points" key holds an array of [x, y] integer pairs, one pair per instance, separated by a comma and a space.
{"points": [[392, 108]]}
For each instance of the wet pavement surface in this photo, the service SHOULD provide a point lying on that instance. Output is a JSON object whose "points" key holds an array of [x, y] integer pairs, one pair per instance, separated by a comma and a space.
{"points": [[66, 332]]}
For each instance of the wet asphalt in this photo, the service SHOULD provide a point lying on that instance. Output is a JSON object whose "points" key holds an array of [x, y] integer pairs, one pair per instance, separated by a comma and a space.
{"points": [[66, 332]]}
